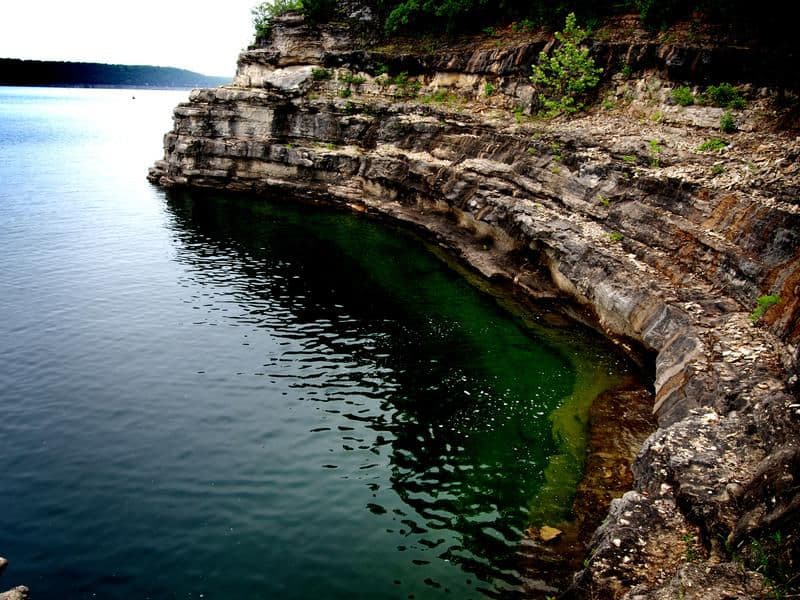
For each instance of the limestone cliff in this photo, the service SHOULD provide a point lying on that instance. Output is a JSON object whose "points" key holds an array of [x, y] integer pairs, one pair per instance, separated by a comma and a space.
{"points": [[616, 211]]}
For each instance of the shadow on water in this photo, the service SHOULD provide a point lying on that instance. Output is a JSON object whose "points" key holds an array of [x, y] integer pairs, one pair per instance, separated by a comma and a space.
{"points": [[479, 415]]}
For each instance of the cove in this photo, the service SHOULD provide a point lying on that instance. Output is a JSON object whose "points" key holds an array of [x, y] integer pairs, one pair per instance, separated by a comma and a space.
{"points": [[447, 419], [214, 396]]}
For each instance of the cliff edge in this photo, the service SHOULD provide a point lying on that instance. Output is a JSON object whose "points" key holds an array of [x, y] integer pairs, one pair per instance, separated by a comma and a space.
{"points": [[621, 211]]}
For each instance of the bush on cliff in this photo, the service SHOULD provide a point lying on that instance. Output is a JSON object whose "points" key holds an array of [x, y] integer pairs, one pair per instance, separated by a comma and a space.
{"points": [[568, 75], [266, 11]]}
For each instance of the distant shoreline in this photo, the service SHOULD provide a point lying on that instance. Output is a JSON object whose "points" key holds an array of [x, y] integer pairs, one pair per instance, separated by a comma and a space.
{"points": [[39, 73], [102, 87]]}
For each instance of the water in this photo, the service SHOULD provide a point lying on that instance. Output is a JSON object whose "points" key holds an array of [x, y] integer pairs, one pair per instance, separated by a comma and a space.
{"points": [[221, 397]]}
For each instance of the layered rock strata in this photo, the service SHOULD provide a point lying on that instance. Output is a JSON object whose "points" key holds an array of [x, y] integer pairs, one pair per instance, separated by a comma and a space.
{"points": [[664, 248]]}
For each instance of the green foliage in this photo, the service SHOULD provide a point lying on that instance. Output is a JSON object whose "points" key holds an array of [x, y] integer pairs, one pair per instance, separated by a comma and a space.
{"points": [[712, 145], [609, 104], [266, 11], [405, 86], [345, 92], [727, 124], [655, 149], [525, 25], [683, 96], [488, 89], [615, 236], [440, 97], [717, 170], [318, 11], [604, 200], [630, 159], [690, 554], [763, 304], [657, 13], [321, 73], [724, 95], [567, 76], [348, 79], [431, 14]]}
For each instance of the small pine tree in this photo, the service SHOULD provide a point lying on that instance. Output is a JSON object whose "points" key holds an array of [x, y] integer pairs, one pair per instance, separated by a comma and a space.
{"points": [[569, 74]]}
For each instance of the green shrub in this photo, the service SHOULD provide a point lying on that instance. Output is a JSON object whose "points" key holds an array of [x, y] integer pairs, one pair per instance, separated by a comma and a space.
{"points": [[763, 304], [567, 76], [321, 73], [712, 145], [525, 25], [655, 149], [406, 87], [615, 236], [266, 11], [345, 92], [727, 124], [683, 96], [348, 78], [488, 89], [724, 95], [440, 97]]}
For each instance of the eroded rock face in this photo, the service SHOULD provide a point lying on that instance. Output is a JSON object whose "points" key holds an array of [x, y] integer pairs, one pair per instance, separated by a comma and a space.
{"points": [[662, 255]]}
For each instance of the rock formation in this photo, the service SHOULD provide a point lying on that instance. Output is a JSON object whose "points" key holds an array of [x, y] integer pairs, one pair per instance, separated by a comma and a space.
{"points": [[17, 593], [616, 212]]}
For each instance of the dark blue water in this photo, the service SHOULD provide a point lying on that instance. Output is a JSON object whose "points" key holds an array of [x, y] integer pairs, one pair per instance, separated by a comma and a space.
{"points": [[206, 396]]}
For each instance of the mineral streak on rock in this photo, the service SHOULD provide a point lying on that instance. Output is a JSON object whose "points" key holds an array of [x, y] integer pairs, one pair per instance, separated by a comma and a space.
{"points": [[664, 255]]}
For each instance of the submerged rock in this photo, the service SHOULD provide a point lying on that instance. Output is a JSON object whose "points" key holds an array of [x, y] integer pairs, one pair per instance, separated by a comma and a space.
{"points": [[548, 534]]}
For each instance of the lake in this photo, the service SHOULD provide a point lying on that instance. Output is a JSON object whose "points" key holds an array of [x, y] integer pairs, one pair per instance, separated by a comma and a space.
{"points": [[207, 396]]}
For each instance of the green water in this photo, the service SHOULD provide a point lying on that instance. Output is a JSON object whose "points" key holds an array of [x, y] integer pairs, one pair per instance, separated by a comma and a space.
{"points": [[216, 397]]}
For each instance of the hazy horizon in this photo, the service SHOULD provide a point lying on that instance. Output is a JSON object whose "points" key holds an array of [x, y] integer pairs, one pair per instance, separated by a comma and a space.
{"points": [[201, 36]]}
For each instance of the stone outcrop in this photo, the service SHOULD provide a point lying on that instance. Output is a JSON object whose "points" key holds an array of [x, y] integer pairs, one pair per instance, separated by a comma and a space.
{"points": [[17, 593], [616, 213]]}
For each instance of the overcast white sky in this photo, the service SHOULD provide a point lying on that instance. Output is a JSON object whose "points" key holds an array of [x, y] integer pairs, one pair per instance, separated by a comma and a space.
{"points": [[200, 35]]}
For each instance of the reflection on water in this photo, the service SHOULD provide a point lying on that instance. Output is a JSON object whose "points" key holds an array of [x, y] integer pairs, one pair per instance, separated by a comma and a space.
{"points": [[217, 397], [449, 393]]}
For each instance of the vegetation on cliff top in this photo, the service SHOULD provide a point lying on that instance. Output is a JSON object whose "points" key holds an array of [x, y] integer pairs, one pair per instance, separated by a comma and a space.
{"points": [[454, 16]]}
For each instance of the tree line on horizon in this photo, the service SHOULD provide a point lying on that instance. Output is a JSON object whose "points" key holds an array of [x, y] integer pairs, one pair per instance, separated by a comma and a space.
{"points": [[14, 71]]}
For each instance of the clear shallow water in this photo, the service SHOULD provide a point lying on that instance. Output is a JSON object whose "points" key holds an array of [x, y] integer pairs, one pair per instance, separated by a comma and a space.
{"points": [[222, 397]]}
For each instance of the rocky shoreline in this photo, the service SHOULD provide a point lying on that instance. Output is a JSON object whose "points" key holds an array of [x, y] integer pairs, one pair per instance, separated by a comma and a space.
{"points": [[17, 593], [666, 247]]}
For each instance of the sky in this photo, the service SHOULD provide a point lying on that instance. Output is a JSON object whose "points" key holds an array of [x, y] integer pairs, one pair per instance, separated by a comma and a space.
{"points": [[200, 35]]}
